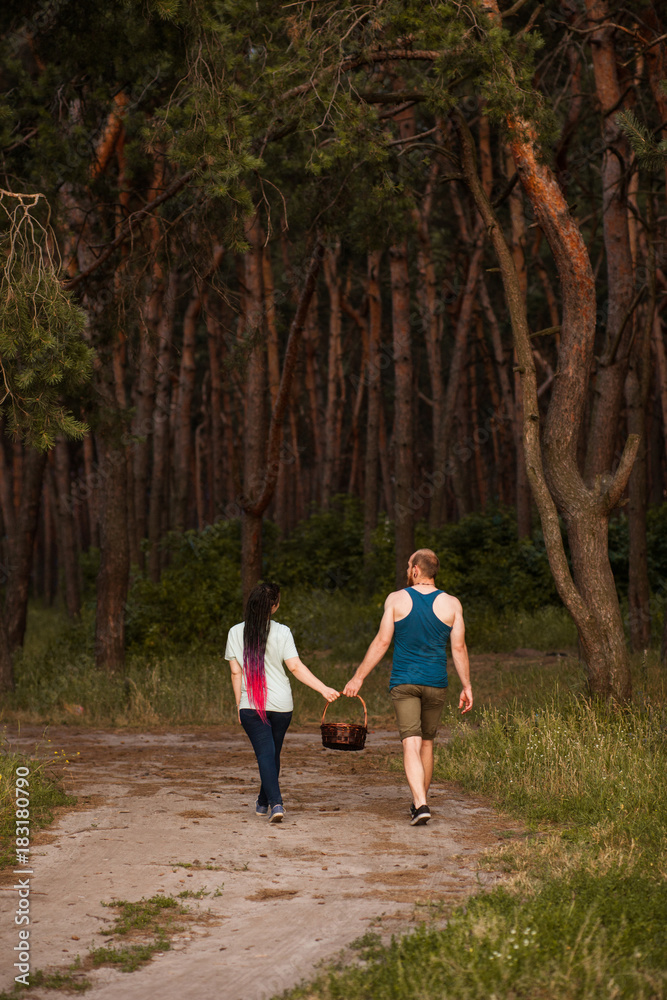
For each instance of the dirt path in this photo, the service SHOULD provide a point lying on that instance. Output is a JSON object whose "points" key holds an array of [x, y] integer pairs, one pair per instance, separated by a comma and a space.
{"points": [[286, 896]]}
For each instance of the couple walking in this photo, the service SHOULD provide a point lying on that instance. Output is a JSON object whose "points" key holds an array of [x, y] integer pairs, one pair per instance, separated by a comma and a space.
{"points": [[420, 619]]}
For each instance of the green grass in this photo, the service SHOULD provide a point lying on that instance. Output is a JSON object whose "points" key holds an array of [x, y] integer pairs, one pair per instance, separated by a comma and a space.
{"points": [[57, 681], [581, 915], [45, 793], [150, 922]]}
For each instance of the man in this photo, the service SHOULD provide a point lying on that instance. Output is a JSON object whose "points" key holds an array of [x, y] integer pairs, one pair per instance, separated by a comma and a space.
{"points": [[420, 619]]}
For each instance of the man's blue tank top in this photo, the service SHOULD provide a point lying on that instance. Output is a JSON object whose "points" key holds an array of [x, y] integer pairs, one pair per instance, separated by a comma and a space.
{"points": [[420, 644]]}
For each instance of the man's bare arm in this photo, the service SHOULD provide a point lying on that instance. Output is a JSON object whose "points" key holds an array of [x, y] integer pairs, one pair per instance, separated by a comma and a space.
{"points": [[457, 640], [375, 651]]}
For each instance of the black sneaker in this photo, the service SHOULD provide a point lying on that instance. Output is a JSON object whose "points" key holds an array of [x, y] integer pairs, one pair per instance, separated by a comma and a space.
{"points": [[421, 816], [413, 810]]}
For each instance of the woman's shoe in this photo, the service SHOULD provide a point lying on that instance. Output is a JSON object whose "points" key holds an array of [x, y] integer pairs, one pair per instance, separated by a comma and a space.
{"points": [[260, 810], [277, 813]]}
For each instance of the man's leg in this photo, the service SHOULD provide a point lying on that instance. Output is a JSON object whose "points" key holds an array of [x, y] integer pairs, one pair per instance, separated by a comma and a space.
{"points": [[414, 768], [433, 700], [426, 756]]}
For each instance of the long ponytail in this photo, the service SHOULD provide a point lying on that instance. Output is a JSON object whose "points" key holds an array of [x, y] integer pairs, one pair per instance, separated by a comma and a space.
{"points": [[255, 634]]}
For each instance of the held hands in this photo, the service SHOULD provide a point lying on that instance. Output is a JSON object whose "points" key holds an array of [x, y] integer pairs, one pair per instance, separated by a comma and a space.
{"points": [[352, 688], [330, 694], [465, 701]]}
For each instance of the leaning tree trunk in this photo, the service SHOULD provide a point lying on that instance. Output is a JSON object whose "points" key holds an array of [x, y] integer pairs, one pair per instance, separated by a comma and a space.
{"points": [[403, 423], [262, 475], [555, 479]]}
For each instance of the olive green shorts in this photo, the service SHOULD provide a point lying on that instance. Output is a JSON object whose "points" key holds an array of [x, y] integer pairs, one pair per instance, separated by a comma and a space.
{"points": [[418, 709]]}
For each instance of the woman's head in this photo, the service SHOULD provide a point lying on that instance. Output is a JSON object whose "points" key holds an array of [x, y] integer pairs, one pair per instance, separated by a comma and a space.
{"points": [[262, 599]]}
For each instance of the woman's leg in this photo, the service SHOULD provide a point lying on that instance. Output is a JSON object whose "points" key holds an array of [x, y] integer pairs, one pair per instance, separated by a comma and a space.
{"points": [[260, 735], [279, 725]]}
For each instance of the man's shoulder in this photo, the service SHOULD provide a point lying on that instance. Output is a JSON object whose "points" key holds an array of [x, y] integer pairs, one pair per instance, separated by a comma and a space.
{"points": [[443, 597], [447, 607], [396, 597]]}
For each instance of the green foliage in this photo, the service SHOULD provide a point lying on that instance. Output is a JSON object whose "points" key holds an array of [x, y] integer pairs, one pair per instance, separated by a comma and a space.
{"points": [[325, 551], [198, 597], [650, 153], [656, 549], [43, 356], [484, 564]]}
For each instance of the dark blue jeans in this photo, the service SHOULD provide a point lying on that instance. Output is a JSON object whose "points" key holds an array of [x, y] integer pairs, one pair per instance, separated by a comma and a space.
{"points": [[267, 740]]}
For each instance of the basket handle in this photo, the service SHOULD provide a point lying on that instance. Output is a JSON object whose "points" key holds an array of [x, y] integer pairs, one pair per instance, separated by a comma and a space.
{"points": [[353, 696]]}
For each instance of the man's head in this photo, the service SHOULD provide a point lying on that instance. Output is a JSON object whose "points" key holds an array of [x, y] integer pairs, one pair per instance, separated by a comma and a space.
{"points": [[422, 566]]}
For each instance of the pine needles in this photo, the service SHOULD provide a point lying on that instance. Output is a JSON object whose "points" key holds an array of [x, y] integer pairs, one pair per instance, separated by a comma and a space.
{"points": [[43, 356]]}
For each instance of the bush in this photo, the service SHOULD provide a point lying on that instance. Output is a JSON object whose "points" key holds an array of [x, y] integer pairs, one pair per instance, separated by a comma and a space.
{"points": [[198, 597]]}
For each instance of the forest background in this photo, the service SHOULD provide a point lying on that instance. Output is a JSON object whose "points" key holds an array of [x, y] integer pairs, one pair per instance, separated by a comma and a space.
{"points": [[290, 291]]}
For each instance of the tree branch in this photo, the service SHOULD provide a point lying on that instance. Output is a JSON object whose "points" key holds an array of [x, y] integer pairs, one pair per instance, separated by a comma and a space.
{"points": [[622, 474]]}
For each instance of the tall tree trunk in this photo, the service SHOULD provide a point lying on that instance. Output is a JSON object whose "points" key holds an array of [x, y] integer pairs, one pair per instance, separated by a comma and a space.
{"points": [[254, 417], [183, 436], [613, 363], [142, 423], [159, 472], [6, 662], [114, 575], [66, 541], [456, 369], [21, 546], [403, 417], [431, 318], [335, 399], [518, 247], [311, 340], [92, 506], [371, 491], [557, 485], [214, 335], [636, 394]]}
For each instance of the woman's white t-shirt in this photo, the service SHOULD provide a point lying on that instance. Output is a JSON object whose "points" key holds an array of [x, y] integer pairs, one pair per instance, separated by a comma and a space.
{"points": [[280, 646]]}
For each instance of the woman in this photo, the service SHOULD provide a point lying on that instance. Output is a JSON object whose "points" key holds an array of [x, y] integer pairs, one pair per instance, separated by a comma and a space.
{"points": [[256, 650]]}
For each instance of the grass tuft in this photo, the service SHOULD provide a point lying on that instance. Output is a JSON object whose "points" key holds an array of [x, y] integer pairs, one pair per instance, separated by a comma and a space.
{"points": [[45, 793]]}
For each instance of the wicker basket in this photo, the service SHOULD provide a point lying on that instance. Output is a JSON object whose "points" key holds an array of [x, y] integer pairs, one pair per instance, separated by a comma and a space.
{"points": [[344, 735]]}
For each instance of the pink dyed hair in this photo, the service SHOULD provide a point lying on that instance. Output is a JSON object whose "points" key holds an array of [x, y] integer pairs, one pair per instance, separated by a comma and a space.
{"points": [[255, 634]]}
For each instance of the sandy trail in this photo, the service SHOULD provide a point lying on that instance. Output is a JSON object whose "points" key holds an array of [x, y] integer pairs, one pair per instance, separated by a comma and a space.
{"points": [[288, 896]]}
